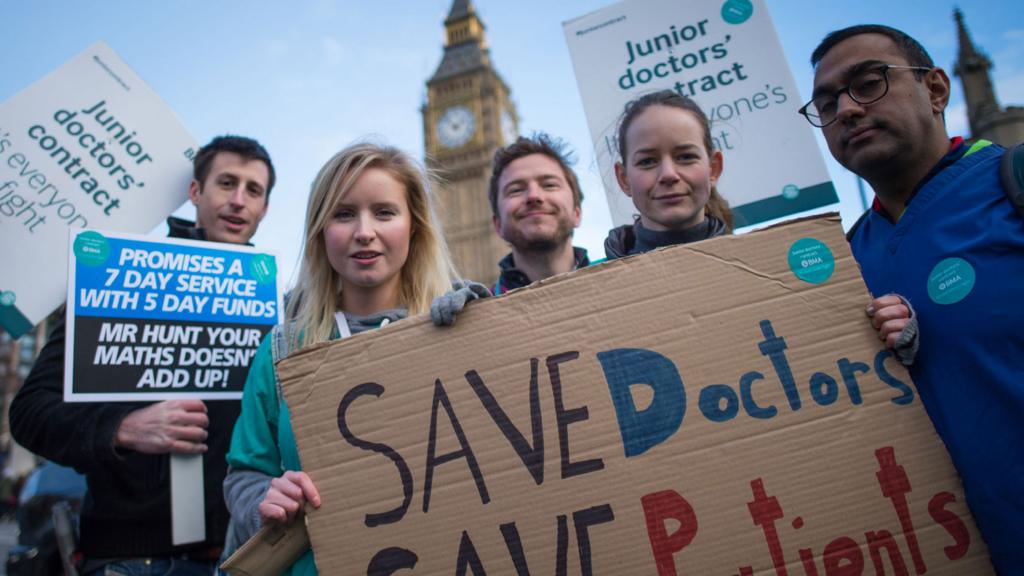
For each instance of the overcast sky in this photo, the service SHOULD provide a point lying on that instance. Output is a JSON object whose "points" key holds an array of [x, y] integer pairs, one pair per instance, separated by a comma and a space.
{"points": [[308, 78]]}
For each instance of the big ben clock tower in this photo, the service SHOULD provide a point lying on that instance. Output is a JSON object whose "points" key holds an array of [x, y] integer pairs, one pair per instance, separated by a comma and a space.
{"points": [[468, 115]]}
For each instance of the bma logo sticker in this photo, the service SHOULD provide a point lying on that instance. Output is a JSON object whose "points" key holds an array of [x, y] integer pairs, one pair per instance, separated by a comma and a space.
{"points": [[91, 248], [737, 11], [811, 260], [263, 268], [951, 281]]}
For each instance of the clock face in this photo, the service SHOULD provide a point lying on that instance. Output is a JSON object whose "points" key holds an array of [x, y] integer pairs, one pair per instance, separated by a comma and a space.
{"points": [[455, 127], [508, 127]]}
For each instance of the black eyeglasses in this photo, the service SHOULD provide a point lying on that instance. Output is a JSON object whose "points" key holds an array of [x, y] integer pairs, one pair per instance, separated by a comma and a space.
{"points": [[868, 87]]}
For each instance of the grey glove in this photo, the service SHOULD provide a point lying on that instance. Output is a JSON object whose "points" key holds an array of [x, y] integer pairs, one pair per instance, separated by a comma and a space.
{"points": [[909, 339], [444, 308]]}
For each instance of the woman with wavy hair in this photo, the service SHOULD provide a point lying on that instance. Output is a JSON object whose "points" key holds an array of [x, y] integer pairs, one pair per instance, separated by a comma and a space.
{"points": [[373, 254]]}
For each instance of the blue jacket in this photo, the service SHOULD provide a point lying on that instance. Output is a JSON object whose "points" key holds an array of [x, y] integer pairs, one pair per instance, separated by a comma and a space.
{"points": [[957, 254]]}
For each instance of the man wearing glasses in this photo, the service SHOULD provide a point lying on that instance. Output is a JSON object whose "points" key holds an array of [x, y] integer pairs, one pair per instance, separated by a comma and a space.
{"points": [[942, 233]]}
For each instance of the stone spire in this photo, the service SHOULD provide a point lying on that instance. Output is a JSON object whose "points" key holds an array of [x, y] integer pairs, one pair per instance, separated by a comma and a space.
{"points": [[460, 9], [972, 67], [465, 46], [467, 116]]}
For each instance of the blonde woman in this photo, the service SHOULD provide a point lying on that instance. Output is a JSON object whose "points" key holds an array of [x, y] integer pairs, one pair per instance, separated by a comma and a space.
{"points": [[373, 254]]}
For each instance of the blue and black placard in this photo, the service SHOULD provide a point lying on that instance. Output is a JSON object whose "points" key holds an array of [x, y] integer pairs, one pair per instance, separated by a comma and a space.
{"points": [[160, 319]]}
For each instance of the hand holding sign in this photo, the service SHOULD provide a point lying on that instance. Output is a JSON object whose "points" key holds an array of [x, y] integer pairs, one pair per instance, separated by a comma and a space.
{"points": [[286, 496], [172, 320], [889, 315], [896, 323], [177, 426]]}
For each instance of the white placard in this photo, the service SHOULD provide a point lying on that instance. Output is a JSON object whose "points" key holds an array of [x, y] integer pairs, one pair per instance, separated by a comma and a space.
{"points": [[188, 499], [727, 57], [88, 146]]}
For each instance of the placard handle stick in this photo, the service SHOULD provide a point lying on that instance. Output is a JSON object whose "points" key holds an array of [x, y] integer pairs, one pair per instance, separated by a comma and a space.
{"points": [[188, 502]]}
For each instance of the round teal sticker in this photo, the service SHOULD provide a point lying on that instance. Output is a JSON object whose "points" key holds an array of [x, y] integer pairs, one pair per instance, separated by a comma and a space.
{"points": [[737, 11], [811, 260], [951, 281], [263, 268], [7, 298], [790, 191], [91, 248]]}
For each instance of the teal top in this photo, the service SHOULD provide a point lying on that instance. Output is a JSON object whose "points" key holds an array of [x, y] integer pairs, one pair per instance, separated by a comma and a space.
{"points": [[263, 439]]}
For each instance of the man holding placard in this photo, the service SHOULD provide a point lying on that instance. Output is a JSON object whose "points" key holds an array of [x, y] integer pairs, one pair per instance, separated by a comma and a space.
{"points": [[943, 232], [123, 447]]}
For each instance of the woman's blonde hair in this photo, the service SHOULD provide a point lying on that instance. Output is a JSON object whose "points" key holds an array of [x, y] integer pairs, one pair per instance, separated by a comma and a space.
{"points": [[428, 271]]}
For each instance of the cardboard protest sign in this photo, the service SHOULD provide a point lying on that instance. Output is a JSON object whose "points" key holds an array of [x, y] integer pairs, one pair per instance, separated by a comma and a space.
{"points": [[717, 408], [158, 319], [88, 146], [727, 57]]}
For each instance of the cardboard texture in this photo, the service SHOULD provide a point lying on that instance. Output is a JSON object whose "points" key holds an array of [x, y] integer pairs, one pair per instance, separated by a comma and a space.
{"points": [[718, 408], [270, 551]]}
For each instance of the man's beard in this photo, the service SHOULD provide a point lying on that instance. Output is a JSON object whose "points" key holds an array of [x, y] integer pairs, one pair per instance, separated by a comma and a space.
{"points": [[541, 244]]}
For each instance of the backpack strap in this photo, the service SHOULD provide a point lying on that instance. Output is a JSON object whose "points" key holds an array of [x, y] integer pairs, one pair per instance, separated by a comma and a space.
{"points": [[1011, 172]]}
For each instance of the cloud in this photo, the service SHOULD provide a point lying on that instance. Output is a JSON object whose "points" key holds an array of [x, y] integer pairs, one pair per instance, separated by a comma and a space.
{"points": [[333, 50], [277, 50]]}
